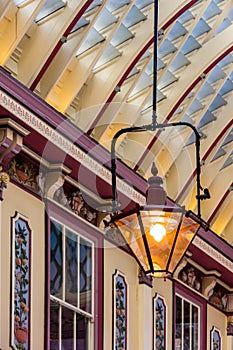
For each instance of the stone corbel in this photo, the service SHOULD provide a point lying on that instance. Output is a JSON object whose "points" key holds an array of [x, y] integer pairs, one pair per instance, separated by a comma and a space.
{"points": [[52, 178], [11, 139], [180, 267], [208, 284]]}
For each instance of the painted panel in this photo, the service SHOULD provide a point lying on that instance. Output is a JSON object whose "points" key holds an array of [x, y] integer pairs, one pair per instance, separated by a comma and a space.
{"points": [[159, 327], [20, 312], [119, 312], [215, 339]]}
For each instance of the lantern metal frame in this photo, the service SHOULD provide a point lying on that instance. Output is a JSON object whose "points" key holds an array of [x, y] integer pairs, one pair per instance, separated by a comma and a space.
{"points": [[118, 219]]}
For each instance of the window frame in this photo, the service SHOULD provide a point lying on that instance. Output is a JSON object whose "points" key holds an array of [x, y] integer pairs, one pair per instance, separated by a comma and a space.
{"points": [[90, 233], [196, 300]]}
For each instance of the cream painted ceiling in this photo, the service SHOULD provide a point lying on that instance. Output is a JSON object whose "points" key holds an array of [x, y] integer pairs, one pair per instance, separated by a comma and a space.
{"points": [[93, 61]]}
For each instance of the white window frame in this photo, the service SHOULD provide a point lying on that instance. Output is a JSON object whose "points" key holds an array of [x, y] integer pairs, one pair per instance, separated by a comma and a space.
{"points": [[62, 302], [183, 299]]}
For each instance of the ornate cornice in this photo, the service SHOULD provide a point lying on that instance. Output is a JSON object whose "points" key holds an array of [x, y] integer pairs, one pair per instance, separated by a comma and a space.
{"points": [[64, 144], [213, 253]]}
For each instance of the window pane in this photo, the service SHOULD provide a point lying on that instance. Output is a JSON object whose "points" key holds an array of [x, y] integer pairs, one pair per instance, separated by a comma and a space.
{"points": [[54, 325], [67, 329], [71, 270], [56, 260], [85, 275], [178, 323], [187, 325], [81, 333], [194, 327]]}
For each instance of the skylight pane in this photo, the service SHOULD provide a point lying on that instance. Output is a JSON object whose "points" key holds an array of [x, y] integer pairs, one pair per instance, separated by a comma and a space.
{"points": [[212, 11], [227, 87], [201, 28], [166, 48], [144, 82], [194, 107], [217, 103], [94, 4], [49, 7], [179, 62], [133, 17], [190, 45], [186, 17], [109, 54], [123, 34], [205, 91], [104, 20], [92, 39], [82, 22], [206, 119], [143, 3], [216, 74], [167, 79], [113, 5], [177, 31]]}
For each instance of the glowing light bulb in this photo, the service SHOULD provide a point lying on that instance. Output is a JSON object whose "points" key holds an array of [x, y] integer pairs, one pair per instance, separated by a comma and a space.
{"points": [[157, 231]]}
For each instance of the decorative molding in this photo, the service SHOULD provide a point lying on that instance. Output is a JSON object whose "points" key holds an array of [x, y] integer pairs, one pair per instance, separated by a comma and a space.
{"points": [[213, 253], [64, 144]]}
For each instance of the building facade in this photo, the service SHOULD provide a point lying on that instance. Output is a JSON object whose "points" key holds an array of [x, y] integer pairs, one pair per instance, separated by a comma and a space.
{"points": [[67, 282]]}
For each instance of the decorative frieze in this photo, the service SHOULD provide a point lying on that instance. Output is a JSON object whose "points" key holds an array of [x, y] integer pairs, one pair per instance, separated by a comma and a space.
{"points": [[64, 144], [213, 253]]}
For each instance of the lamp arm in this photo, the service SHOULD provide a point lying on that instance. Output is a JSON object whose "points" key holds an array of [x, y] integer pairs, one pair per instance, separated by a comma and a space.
{"points": [[153, 127]]}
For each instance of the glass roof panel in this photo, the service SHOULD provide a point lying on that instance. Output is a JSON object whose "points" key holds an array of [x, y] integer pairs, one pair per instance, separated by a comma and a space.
{"points": [[92, 39], [143, 3], [220, 152], [109, 54], [217, 103], [113, 5], [225, 24], [167, 79], [211, 11], [186, 17], [227, 87], [206, 119], [133, 72], [190, 45], [166, 48], [94, 4], [205, 91], [123, 34], [226, 60], [160, 64], [104, 20], [82, 22], [228, 162], [177, 31], [144, 82], [133, 17], [49, 7], [216, 74], [201, 28], [179, 62], [194, 107]]}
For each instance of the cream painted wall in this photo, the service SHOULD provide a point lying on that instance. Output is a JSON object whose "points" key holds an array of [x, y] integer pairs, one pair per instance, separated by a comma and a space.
{"points": [[164, 289], [218, 320], [139, 299], [18, 200]]}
